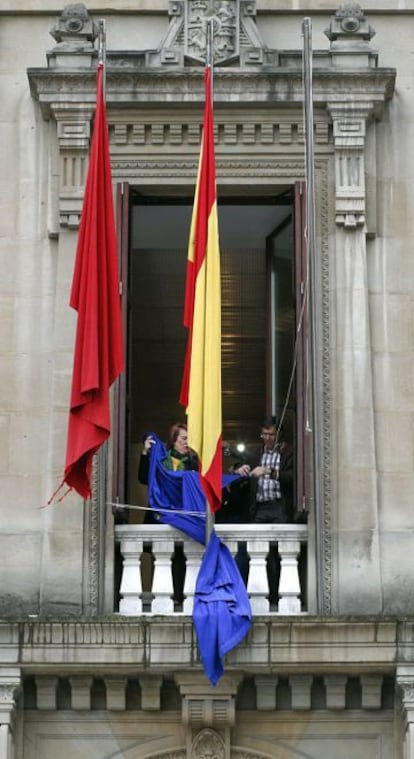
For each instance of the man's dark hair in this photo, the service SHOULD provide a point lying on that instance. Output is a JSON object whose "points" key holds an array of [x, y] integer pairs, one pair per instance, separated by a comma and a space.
{"points": [[273, 421]]}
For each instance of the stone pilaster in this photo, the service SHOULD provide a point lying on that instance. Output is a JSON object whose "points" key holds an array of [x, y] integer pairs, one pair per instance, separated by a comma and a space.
{"points": [[10, 683], [350, 35], [355, 454], [405, 685], [75, 33], [351, 358]]}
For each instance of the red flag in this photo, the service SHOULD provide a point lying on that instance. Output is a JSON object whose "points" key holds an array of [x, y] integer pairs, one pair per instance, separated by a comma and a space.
{"points": [[98, 358], [201, 385]]}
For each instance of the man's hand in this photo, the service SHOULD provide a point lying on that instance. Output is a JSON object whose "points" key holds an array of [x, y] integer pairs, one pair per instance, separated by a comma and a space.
{"points": [[259, 471], [243, 470]]}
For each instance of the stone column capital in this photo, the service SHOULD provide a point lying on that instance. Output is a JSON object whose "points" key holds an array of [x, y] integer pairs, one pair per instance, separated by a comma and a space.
{"points": [[349, 132], [73, 124], [10, 685], [405, 685]]}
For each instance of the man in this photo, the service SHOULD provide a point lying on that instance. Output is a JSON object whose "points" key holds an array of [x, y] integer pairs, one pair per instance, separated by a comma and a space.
{"points": [[271, 495], [272, 478]]}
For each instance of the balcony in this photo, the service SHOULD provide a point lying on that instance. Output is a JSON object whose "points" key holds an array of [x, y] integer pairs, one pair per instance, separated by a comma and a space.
{"points": [[159, 567]]}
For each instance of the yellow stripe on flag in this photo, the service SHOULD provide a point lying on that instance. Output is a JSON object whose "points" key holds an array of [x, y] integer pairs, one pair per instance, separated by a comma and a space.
{"points": [[201, 388]]}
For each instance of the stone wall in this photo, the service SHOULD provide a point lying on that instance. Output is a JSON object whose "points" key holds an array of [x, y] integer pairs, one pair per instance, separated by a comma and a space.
{"points": [[368, 402]]}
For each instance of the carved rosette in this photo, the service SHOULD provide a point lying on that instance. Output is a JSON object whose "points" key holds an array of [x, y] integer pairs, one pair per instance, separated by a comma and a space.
{"points": [[349, 21], [74, 26], [208, 745]]}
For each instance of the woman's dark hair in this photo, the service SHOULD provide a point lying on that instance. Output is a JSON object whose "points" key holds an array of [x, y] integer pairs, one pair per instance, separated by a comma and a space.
{"points": [[175, 430]]}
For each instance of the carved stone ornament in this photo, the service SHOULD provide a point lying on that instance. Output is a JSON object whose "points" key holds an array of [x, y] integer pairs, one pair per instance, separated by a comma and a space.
{"points": [[349, 20], [407, 692], [74, 26], [224, 17], [208, 745], [234, 34], [349, 129], [8, 692]]}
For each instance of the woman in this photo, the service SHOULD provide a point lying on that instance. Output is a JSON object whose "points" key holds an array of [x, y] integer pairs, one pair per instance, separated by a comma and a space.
{"points": [[180, 457]]}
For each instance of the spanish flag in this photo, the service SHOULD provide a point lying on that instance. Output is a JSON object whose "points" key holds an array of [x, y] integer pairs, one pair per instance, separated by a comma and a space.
{"points": [[201, 385]]}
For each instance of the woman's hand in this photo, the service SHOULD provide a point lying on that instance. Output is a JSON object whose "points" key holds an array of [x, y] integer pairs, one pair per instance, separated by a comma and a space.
{"points": [[148, 442]]}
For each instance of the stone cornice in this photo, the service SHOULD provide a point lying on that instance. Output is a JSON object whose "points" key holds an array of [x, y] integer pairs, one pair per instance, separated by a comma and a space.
{"points": [[275, 86], [127, 7], [135, 88], [282, 645]]}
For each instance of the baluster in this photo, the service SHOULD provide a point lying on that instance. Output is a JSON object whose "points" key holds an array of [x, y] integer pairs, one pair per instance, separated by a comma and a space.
{"points": [[162, 586], [257, 585], [193, 552], [131, 586], [289, 585], [238, 550]]}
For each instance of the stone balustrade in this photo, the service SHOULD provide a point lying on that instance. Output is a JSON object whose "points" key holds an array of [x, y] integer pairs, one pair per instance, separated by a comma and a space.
{"points": [[160, 567]]}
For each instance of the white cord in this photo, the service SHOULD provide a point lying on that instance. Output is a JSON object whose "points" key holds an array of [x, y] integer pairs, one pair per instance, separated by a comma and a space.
{"points": [[157, 509]]}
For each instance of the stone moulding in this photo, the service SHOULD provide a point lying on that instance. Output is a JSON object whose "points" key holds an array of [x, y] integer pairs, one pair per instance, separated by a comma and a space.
{"points": [[349, 97], [276, 86], [360, 644]]}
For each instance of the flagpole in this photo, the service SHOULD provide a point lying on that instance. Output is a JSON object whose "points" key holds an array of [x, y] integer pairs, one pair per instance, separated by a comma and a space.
{"points": [[209, 64], [102, 50], [102, 462], [311, 246]]}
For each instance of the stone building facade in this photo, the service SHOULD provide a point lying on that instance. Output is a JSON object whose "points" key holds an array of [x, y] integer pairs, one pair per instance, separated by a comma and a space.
{"points": [[93, 661]]}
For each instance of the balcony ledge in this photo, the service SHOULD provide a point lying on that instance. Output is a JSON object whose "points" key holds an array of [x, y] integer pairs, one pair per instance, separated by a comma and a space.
{"points": [[162, 644]]}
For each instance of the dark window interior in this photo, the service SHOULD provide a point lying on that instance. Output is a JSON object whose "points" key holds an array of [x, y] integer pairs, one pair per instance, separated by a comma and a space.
{"points": [[258, 316]]}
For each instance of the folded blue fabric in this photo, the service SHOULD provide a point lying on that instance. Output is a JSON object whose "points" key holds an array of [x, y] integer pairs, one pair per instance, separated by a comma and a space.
{"points": [[173, 494], [222, 614]]}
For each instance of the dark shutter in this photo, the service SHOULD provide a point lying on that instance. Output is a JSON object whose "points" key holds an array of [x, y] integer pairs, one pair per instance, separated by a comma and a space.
{"points": [[301, 298], [120, 408]]}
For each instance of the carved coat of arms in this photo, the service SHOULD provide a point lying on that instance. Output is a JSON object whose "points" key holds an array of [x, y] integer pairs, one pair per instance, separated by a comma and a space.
{"points": [[224, 15]]}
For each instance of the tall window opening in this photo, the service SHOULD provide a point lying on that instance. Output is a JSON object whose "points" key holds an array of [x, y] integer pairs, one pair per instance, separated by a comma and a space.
{"points": [[259, 313]]}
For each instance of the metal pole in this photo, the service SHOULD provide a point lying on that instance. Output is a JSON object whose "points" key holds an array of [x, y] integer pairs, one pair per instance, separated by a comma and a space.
{"points": [[102, 478], [103, 452], [311, 246], [102, 50], [209, 64], [209, 41]]}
